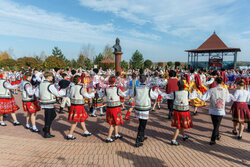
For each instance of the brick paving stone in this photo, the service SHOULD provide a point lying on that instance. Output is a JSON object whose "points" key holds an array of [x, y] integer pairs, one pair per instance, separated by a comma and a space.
{"points": [[20, 147]]}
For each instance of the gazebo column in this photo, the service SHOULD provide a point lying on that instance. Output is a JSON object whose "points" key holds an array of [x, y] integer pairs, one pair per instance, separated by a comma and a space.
{"points": [[188, 59], [235, 59]]}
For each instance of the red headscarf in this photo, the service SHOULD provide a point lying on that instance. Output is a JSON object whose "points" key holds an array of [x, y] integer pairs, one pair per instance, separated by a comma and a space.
{"points": [[187, 78], [199, 84]]}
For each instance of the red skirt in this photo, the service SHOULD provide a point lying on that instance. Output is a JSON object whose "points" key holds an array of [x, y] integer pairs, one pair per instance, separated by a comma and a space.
{"points": [[77, 113], [182, 119], [240, 112], [13, 82], [114, 116], [31, 107], [8, 106]]}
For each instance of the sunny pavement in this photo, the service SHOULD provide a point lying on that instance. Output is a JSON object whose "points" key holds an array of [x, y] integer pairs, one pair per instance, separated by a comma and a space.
{"points": [[20, 147]]}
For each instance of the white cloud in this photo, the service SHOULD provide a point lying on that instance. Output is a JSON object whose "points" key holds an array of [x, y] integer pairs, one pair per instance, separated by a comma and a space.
{"points": [[169, 16]]}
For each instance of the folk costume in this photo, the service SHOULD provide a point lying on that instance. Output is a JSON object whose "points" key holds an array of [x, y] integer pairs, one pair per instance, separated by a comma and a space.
{"points": [[240, 111], [200, 89], [30, 103], [218, 97], [7, 101], [171, 87], [113, 113], [143, 95], [98, 102], [48, 93]]}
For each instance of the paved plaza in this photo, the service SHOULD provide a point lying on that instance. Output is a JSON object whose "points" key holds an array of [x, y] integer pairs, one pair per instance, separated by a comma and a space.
{"points": [[20, 147]]}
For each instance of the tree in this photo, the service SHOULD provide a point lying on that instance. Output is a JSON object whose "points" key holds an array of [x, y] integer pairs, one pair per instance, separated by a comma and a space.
{"points": [[170, 63], [74, 63], [4, 55], [58, 53], [136, 61], [98, 59], [177, 64], [80, 60], [88, 64], [8, 63], [53, 62], [88, 51], [108, 53], [26, 62], [124, 65], [148, 63]]}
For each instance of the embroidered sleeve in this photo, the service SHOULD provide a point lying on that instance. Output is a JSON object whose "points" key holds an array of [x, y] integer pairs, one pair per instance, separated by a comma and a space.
{"points": [[86, 94], [56, 92], [206, 96]]}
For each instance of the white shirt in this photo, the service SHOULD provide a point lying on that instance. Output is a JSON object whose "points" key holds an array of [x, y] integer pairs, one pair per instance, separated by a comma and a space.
{"points": [[241, 96]]}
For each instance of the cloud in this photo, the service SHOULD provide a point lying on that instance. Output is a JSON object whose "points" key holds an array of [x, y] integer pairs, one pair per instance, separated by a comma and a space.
{"points": [[168, 16]]}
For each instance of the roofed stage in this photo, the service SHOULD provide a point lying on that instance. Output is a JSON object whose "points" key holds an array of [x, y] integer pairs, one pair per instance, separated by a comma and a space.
{"points": [[216, 50]]}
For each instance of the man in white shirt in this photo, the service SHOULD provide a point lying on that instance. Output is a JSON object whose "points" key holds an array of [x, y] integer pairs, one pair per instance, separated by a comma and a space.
{"points": [[218, 97]]}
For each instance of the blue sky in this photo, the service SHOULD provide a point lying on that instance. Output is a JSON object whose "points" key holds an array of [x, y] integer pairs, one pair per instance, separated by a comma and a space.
{"points": [[161, 30]]}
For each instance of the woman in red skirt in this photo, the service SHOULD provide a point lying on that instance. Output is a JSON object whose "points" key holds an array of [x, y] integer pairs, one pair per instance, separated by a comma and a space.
{"points": [[113, 113], [239, 109], [77, 111], [30, 103], [181, 116], [7, 101]]}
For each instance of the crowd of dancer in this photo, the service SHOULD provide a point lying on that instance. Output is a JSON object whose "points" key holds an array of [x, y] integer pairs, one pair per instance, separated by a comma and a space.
{"points": [[107, 92]]}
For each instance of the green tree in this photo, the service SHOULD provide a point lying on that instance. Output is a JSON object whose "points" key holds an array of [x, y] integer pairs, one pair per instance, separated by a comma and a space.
{"points": [[124, 65], [74, 63], [136, 60], [58, 53], [177, 64], [148, 63], [108, 53], [88, 64], [53, 62], [80, 60], [8, 63], [98, 59], [170, 63], [26, 62]]}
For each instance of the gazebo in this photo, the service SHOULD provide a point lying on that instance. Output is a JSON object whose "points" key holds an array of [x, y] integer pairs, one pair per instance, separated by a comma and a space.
{"points": [[216, 50]]}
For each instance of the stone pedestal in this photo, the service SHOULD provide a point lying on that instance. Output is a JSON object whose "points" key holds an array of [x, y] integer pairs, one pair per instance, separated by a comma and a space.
{"points": [[118, 61]]}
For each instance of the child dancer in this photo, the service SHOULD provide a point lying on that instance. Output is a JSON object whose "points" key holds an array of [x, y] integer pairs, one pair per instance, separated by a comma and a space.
{"points": [[132, 85], [143, 95], [30, 103], [156, 83], [7, 101], [48, 93], [240, 111], [65, 100], [98, 102], [77, 111], [113, 113], [200, 89], [181, 115]]}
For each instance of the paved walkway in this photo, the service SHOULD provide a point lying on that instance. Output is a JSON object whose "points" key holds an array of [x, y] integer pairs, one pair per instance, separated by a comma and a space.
{"points": [[20, 147]]}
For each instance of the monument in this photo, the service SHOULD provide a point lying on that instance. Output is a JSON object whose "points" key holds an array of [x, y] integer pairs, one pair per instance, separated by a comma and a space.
{"points": [[118, 53]]}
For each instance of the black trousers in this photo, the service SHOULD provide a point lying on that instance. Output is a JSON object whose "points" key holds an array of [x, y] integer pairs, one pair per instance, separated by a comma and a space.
{"points": [[170, 105], [216, 119], [50, 115], [142, 125]]}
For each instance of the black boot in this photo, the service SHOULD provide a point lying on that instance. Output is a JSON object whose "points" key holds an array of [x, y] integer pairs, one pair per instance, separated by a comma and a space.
{"points": [[46, 132], [170, 115], [143, 138], [68, 109], [50, 133], [61, 111], [138, 140]]}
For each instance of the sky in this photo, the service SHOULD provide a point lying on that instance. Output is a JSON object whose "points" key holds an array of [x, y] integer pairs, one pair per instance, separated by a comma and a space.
{"points": [[161, 30]]}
